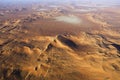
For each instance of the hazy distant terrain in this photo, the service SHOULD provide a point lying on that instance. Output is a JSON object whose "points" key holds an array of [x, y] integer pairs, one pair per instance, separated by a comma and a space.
{"points": [[59, 40]]}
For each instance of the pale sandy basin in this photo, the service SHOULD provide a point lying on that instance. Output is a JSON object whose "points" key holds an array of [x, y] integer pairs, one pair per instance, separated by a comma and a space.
{"points": [[69, 19]]}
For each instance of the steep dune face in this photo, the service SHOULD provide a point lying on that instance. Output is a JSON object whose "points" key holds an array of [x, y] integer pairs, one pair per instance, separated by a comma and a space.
{"points": [[67, 42]]}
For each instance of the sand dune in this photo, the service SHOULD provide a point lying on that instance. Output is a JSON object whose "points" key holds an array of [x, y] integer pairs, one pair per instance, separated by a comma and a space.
{"points": [[59, 43]]}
